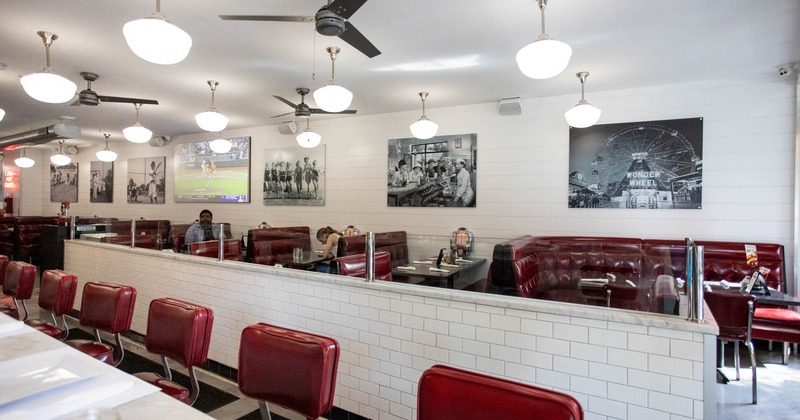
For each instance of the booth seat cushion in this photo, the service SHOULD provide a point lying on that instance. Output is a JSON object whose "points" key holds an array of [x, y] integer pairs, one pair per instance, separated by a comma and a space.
{"points": [[777, 324], [356, 266], [100, 351]]}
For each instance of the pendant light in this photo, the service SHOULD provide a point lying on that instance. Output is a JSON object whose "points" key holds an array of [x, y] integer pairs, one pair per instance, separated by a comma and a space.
{"points": [[24, 161], [333, 97], [47, 86], [545, 57], [424, 128], [155, 40], [582, 115], [220, 145], [60, 159], [106, 155], [308, 138], [211, 119], [137, 133]]}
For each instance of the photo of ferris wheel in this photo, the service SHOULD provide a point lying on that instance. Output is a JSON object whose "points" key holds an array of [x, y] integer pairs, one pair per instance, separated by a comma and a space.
{"points": [[638, 165]]}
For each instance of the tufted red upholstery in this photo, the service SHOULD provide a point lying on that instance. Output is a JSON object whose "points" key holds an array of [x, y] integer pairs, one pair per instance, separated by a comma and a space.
{"points": [[393, 242], [294, 369], [25, 239], [142, 241], [19, 282], [57, 291], [356, 266], [733, 312], [232, 249], [180, 331], [107, 307], [446, 393], [265, 246]]}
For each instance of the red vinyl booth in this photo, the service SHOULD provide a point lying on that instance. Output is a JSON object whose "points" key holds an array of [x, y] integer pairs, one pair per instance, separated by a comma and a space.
{"points": [[180, 331], [19, 283], [356, 266], [294, 369], [447, 393], [57, 291], [232, 249]]}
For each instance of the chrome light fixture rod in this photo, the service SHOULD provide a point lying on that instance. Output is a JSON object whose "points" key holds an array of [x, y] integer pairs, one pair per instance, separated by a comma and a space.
{"points": [[213, 84], [47, 38]]}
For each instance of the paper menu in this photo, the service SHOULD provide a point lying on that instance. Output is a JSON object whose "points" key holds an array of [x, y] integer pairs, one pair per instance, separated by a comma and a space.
{"points": [[751, 254]]}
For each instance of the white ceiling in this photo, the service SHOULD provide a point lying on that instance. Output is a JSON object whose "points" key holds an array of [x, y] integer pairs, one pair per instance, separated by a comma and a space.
{"points": [[462, 52]]}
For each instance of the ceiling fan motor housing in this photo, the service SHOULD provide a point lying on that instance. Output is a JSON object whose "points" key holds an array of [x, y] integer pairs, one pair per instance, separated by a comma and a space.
{"points": [[88, 97], [302, 110], [329, 23]]}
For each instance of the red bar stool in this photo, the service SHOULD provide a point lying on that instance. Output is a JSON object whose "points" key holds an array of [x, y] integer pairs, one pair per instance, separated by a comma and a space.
{"points": [[180, 331], [6, 301], [447, 393], [19, 282], [734, 315], [57, 291], [107, 307], [294, 369]]}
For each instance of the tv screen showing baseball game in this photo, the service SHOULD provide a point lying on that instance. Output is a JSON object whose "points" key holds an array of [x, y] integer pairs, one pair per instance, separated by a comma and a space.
{"points": [[201, 175]]}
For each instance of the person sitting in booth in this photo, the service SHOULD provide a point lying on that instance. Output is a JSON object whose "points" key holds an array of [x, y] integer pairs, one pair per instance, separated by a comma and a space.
{"points": [[203, 229]]}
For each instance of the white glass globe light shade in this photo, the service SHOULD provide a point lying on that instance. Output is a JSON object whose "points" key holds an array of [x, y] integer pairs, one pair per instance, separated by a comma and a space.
{"points": [[333, 98], [24, 162], [220, 145], [155, 40], [211, 121], [106, 155], [424, 128], [544, 58], [60, 159], [308, 139], [49, 87], [582, 115], [137, 134]]}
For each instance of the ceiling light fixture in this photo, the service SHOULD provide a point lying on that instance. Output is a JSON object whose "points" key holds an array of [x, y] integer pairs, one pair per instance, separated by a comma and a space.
{"points": [[424, 128], [24, 161], [2, 114], [308, 138], [220, 145], [211, 119], [582, 115], [106, 155], [545, 57], [60, 159], [333, 97], [137, 133], [47, 86], [155, 40]]}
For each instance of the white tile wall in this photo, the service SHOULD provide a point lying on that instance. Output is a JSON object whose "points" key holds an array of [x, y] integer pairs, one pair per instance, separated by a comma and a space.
{"points": [[616, 363]]}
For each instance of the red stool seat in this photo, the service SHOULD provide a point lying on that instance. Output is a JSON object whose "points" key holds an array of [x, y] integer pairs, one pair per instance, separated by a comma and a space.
{"points": [[168, 387], [45, 327], [100, 351]]}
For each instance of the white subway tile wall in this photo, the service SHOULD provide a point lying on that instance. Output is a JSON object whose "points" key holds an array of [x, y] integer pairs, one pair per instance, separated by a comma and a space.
{"points": [[616, 364]]}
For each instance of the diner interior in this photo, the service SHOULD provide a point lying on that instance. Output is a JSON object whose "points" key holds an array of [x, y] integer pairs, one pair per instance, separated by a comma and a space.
{"points": [[548, 281]]}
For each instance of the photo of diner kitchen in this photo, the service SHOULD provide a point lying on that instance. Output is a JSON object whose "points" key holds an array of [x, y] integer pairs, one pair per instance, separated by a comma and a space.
{"points": [[436, 172]]}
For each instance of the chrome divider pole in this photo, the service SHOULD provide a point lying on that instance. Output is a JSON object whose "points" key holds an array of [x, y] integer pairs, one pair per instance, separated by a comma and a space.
{"points": [[72, 227], [697, 288], [221, 242], [370, 274], [133, 233]]}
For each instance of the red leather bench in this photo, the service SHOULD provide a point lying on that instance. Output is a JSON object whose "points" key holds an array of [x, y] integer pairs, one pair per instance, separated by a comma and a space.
{"points": [[777, 324], [232, 249], [356, 266], [142, 241], [266, 246], [394, 243]]}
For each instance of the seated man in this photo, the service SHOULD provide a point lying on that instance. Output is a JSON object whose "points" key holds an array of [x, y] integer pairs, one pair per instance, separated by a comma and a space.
{"points": [[203, 229]]}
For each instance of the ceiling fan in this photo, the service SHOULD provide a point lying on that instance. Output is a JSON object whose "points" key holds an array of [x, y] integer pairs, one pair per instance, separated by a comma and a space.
{"points": [[331, 20], [302, 109], [91, 98]]}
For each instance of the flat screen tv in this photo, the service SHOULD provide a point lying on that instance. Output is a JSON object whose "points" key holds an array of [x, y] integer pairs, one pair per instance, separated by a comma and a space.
{"points": [[204, 176]]}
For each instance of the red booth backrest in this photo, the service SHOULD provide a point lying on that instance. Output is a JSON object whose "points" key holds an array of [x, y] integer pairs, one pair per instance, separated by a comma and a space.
{"points": [[395, 243], [3, 265], [107, 306], [147, 227], [57, 291], [265, 245], [446, 393], [20, 279], [232, 249], [142, 241], [356, 266], [179, 330]]}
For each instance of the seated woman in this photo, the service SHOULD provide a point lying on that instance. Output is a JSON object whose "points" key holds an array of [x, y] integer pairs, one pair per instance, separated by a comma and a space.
{"points": [[329, 238]]}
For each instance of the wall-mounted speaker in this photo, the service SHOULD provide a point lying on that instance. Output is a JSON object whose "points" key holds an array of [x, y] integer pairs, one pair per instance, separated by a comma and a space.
{"points": [[159, 141], [510, 106], [287, 127]]}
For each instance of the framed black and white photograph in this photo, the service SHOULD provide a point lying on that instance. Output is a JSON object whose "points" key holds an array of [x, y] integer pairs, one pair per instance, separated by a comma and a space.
{"points": [[294, 176], [637, 165], [146, 180], [101, 182], [436, 172], [64, 183]]}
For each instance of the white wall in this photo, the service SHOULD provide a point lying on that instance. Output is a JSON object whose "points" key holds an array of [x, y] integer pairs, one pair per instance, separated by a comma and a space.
{"points": [[748, 150]]}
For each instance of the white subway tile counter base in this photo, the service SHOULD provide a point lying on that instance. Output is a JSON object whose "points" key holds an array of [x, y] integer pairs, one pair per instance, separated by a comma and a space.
{"points": [[618, 364]]}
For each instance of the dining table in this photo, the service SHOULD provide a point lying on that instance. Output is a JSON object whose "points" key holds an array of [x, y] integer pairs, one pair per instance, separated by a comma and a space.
{"points": [[43, 378], [450, 275]]}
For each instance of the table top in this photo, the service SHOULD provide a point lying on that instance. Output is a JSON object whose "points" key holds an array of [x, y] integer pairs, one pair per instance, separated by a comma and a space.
{"points": [[774, 297], [68, 381], [307, 261], [422, 268]]}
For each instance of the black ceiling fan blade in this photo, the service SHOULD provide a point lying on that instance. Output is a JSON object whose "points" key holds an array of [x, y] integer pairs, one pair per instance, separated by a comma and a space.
{"points": [[352, 36], [346, 8], [283, 115], [259, 18], [319, 111], [127, 100], [284, 100]]}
